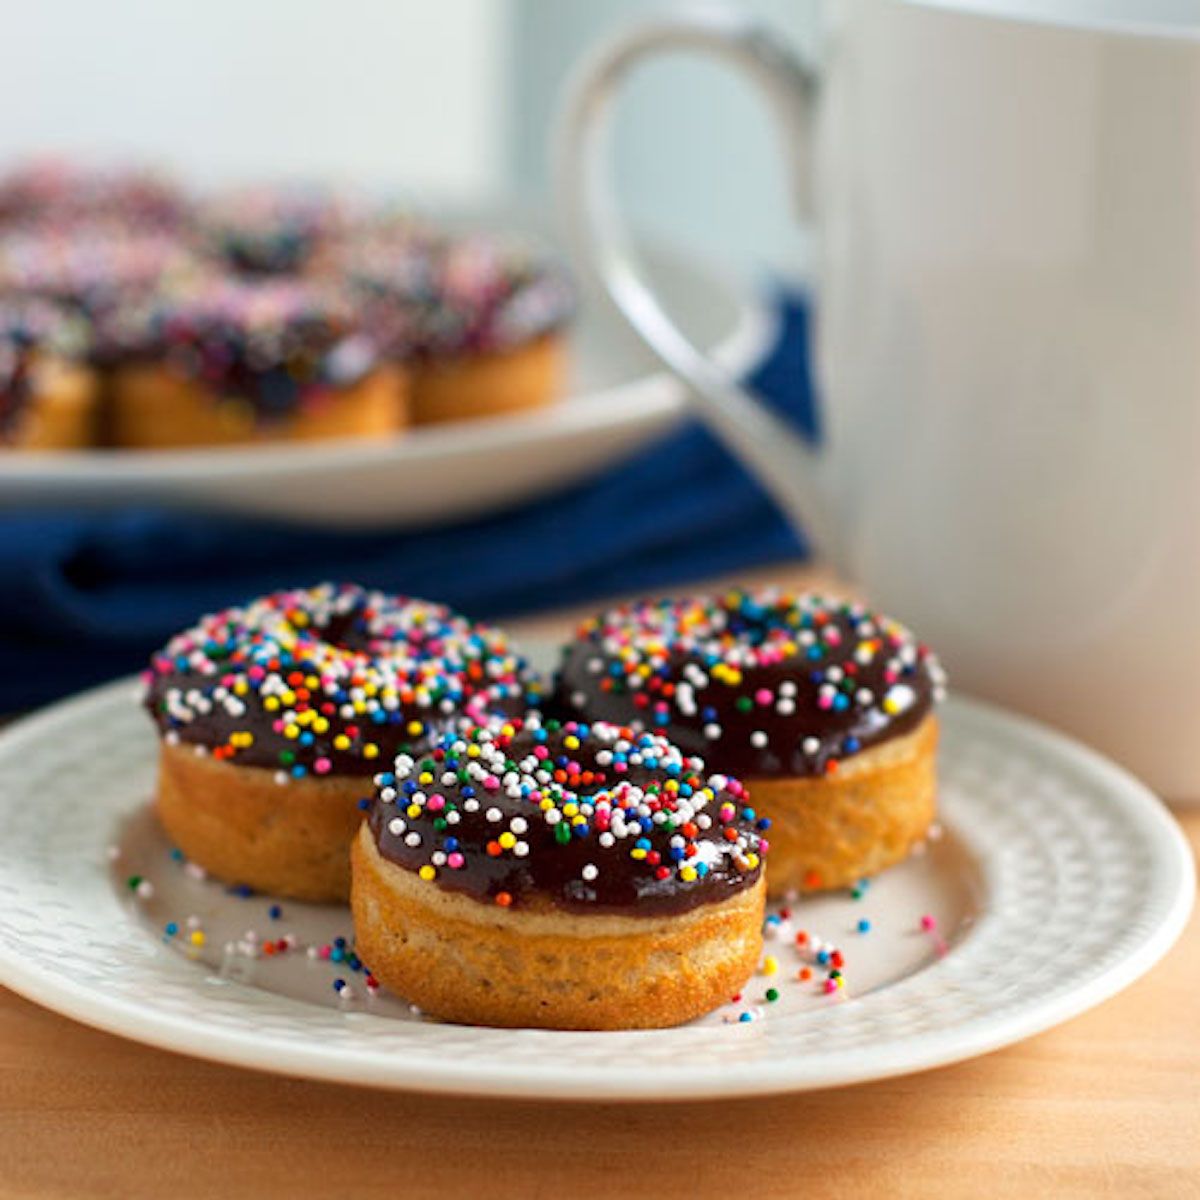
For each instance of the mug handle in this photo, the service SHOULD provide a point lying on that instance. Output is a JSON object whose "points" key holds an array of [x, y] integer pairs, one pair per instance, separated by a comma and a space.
{"points": [[787, 466]]}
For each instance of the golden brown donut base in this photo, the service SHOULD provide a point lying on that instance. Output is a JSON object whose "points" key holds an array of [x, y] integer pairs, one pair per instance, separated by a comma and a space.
{"points": [[472, 962], [486, 385], [291, 839], [153, 408], [61, 413], [833, 831]]}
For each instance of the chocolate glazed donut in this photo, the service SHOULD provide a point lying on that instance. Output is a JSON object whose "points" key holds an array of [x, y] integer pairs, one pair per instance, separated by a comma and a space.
{"points": [[568, 876], [824, 708], [274, 716]]}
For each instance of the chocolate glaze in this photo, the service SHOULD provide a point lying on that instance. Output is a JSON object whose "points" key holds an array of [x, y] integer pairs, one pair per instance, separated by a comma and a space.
{"points": [[277, 344], [250, 671], [813, 681], [615, 779], [435, 296]]}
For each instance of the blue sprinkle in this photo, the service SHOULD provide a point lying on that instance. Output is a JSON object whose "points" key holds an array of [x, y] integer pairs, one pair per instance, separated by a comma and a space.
{"points": [[864, 926]]}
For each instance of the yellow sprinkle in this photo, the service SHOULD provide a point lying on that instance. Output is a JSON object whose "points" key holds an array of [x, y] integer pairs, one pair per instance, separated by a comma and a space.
{"points": [[271, 703], [770, 965], [473, 751], [424, 778], [341, 742], [197, 937], [288, 697], [370, 750], [752, 860], [321, 725], [241, 688], [570, 809], [571, 742], [427, 873], [637, 853], [413, 810], [687, 873], [415, 727], [507, 840], [291, 731]]}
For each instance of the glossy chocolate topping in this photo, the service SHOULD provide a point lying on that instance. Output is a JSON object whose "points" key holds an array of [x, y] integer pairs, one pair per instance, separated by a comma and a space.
{"points": [[589, 819], [330, 680], [764, 685], [273, 229], [277, 344], [430, 295]]}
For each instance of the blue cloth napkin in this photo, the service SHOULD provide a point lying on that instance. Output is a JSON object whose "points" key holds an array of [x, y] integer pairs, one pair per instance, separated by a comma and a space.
{"points": [[86, 596]]}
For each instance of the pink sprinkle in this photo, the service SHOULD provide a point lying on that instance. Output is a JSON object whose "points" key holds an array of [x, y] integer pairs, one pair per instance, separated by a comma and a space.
{"points": [[324, 953], [763, 696], [455, 861], [322, 766], [436, 803], [928, 922], [830, 986], [491, 783]]}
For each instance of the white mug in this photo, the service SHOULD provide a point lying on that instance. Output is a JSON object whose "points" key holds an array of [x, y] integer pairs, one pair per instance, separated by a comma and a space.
{"points": [[1007, 346]]}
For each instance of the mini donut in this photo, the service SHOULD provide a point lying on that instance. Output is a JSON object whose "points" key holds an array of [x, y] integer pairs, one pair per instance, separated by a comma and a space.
{"points": [[225, 361], [272, 229], [96, 269], [823, 708], [478, 320], [274, 716], [559, 876], [58, 192], [47, 390]]}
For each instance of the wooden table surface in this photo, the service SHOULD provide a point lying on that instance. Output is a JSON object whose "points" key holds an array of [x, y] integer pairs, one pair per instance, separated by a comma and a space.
{"points": [[1108, 1104]]}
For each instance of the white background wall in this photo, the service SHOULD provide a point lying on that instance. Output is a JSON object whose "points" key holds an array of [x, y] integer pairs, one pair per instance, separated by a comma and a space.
{"points": [[411, 93]]}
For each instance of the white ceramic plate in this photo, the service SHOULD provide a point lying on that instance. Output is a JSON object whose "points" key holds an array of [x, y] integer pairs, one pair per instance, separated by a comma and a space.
{"points": [[1057, 880], [618, 400]]}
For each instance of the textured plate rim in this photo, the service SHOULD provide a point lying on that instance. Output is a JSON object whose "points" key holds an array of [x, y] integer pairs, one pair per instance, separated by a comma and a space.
{"points": [[250, 1049]]}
